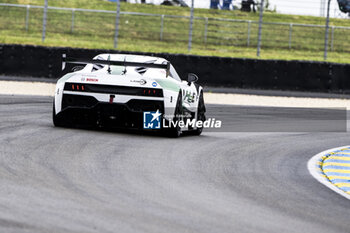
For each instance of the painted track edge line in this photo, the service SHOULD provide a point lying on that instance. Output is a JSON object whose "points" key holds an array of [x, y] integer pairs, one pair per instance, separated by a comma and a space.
{"points": [[312, 167]]}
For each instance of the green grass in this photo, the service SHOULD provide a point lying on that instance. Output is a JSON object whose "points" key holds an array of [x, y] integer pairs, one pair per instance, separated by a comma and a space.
{"points": [[141, 33]]}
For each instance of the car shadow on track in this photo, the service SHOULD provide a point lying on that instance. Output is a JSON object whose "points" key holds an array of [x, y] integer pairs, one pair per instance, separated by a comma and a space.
{"points": [[129, 132]]}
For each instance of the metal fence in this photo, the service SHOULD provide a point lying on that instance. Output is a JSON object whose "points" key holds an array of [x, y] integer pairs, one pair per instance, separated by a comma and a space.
{"points": [[129, 30]]}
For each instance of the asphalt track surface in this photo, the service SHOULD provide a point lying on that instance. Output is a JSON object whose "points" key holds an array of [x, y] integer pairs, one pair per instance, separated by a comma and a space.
{"points": [[75, 180]]}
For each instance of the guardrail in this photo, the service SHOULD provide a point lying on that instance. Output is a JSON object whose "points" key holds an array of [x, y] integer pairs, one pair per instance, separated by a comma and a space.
{"points": [[73, 10], [211, 31]]}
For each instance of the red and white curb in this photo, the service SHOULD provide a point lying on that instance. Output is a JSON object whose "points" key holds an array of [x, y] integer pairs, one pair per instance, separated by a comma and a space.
{"points": [[318, 164]]}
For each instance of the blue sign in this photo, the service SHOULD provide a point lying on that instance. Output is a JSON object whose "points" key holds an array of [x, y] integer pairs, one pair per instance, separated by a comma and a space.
{"points": [[154, 84], [151, 120]]}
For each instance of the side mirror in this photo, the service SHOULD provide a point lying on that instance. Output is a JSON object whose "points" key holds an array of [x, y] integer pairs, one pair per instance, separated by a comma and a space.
{"points": [[192, 78]]}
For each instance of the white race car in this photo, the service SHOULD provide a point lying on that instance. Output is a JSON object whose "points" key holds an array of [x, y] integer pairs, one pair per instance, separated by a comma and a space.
{"points": [[129, 91]]}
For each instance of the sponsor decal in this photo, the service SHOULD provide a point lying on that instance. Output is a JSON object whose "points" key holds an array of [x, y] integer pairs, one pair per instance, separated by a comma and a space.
{"points": [[151, 120], [82, 79], [142, 81], [189, 97], [91, 79], [154, 84]]}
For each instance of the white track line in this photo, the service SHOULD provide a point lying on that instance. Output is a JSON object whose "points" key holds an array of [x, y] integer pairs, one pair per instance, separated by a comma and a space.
{"points": [[27, 88], [314, 170], [275, 101]]}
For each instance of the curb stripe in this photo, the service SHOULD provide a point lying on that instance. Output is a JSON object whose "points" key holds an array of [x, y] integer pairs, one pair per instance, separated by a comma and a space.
{"points": [[337, 181], [337, 174], [339, 177], [341, 158], [343, 153], [325, 167], [341, 185], [338, 161], [336, 170], [332, 169], [336, 164]]}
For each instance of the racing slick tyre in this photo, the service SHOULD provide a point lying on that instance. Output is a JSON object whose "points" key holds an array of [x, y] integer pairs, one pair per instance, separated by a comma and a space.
{"points": [[200, 115], [175, 131], [56, 121]]}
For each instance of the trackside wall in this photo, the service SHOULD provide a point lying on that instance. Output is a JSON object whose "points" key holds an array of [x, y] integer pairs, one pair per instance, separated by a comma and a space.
{"points": [[37, 61]]}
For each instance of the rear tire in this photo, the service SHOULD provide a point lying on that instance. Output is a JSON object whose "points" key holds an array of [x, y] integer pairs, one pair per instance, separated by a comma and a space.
{"points": [[55, 120], [175, 131], [200, 115]]}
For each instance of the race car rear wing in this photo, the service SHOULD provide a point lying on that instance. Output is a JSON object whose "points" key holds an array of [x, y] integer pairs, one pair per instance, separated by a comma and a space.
{"points": [[108, 62]]}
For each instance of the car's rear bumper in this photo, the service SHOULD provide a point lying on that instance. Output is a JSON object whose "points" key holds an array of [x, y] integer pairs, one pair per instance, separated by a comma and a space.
{"points": [[86, 110]]}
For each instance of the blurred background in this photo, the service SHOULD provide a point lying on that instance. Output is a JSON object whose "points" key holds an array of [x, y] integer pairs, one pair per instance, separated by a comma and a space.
{"points": [[266, 29]]}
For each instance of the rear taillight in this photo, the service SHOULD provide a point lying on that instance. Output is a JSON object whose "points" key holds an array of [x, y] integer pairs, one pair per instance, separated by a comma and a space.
{"points": [[153, 92], [74, 87], [114, 90]]}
